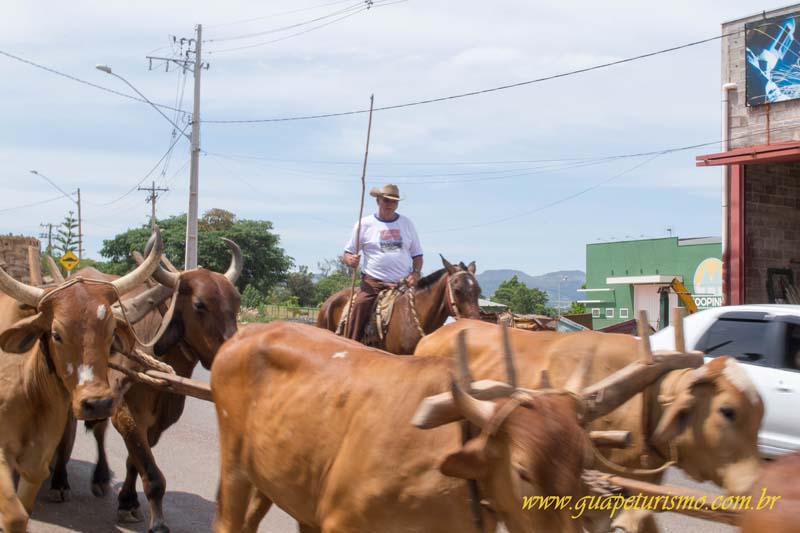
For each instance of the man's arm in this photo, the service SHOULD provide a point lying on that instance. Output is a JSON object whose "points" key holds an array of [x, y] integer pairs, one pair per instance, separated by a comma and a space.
{"points": [[413, 278]]}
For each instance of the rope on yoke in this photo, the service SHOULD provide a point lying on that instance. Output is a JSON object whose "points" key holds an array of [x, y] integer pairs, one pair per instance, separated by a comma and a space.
{"points": [[139, 376]]}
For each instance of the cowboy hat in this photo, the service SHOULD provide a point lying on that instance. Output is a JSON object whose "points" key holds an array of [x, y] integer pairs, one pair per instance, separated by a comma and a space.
{"points": [[388, 191]]}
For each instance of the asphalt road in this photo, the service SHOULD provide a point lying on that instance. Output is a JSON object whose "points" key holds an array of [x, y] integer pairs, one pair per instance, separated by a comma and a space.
{"points": [[188, 456]]}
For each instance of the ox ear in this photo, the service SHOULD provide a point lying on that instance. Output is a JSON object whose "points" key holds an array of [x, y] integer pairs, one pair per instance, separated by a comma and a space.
{"points": [[469, 462], [675, 418], [124, 339], [471, 267], [21, 337]]}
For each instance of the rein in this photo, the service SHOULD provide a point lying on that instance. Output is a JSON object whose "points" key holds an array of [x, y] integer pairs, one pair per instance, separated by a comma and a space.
{"points": [[449, 298]]}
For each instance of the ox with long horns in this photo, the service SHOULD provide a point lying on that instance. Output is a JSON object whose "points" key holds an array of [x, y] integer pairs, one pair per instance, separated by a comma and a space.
{"points": [[319, 425], [65, 335], [201, 317], [704, 420]]}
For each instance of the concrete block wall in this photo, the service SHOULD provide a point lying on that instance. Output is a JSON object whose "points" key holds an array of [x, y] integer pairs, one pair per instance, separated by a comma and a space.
{"points": [[14, 253], [772, 225], [748, 125]]}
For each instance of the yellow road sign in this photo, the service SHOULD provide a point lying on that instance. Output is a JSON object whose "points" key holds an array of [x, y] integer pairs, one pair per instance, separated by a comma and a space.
{"points": [[68, 260]]}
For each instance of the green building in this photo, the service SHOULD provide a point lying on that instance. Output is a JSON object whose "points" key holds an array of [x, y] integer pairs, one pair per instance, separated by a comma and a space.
{"points": [[623, 278]]}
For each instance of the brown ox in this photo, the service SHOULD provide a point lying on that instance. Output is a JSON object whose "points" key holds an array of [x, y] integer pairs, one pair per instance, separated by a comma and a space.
{"points": [[450, 291], [66, 335], [204, 317], [775, 498], [710, 415], [319, 425]]}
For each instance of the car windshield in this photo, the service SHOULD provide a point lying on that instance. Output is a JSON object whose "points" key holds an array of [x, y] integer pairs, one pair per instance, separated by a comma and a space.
{"points": [[743, 339]]}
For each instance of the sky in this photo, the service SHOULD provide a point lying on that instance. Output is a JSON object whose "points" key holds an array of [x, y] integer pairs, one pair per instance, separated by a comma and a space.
{"points": [[521, 178]]}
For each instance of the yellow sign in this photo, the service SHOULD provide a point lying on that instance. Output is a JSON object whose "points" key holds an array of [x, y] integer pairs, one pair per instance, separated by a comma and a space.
{"points": [[68, 260]]}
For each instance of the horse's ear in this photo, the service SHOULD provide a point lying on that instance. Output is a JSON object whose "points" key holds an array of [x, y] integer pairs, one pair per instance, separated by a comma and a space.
{"points": [[471, 267], [450, 268]]}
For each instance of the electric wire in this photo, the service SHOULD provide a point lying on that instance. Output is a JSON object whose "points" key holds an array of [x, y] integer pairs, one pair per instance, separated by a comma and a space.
{"points": [[348, 15], [40, 202], [284, 28], [275, 15], [481, 91], [90, 84]]}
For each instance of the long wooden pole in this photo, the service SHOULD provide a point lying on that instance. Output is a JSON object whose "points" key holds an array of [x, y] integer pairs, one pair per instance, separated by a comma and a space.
{"points": [[360, 215]]}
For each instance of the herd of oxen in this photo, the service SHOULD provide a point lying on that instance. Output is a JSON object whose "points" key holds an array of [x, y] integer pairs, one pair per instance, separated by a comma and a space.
{"points": [[445, 428]]}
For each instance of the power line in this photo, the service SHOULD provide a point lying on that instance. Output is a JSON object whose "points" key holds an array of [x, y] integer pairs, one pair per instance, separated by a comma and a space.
{"points": [[348, 15], [132, 189], [482, 91], [553, 203], [274, 15], [7, 209], [90, 84], [284, 28]]}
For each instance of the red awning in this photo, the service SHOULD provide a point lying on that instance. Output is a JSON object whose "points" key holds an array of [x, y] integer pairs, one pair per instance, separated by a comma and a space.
{"points": [[762, 154]]}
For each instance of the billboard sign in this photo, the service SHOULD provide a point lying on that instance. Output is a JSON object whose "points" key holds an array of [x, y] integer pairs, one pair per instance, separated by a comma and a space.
{"points": [[708, 283], [773, 59]]}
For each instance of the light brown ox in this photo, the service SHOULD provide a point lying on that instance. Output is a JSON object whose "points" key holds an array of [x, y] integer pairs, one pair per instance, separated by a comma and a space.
{"points": [[450, 291], [204, 317], [711, 415], [775, 498], [64, 337], [319, 425]]}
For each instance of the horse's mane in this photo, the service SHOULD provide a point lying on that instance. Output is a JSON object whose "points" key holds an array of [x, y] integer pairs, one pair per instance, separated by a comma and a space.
{"points": [[429, 280]]}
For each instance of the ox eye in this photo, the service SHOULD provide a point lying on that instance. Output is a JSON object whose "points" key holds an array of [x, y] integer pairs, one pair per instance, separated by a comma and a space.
{"points": [[200, 306], [57, 337], [728, 412]]}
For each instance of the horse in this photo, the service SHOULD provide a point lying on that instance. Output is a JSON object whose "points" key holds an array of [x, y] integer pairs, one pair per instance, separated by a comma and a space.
{"points": [[450, 291]]}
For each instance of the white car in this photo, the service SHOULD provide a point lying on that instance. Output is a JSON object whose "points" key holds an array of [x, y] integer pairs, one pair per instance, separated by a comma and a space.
{"points": [[764, 339]]}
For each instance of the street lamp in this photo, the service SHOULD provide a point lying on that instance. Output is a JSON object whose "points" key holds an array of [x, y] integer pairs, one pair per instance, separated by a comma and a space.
{"points": [[190, 260], [107, 70], [78, 202]]}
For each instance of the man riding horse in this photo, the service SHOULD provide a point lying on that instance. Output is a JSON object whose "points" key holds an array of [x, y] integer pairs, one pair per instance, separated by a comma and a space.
{"points": [[392, 255]]}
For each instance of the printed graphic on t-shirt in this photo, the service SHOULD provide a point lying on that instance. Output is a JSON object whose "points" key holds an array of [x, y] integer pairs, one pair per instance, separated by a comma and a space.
{"points": [[391, 240]]}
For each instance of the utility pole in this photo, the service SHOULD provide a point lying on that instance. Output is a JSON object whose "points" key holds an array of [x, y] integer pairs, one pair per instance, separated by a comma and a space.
{"points": [[191, 220], [48, 234], [152, 199], [197, 67], [80, 227]]}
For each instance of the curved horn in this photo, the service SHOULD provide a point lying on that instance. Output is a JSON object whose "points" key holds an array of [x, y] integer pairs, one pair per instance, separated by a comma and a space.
{"points": [[579, 379], [479, 412], [164, 277], [237, 262], [138, 307], [55, 273], [19, 291], [139, 275]]}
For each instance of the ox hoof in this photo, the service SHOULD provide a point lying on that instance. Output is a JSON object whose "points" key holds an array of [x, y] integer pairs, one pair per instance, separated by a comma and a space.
{"points": [[128, 516], [59, 495], [101, 489]]}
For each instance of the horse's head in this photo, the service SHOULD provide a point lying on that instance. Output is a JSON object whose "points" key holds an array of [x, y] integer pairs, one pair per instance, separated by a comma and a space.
{"points": [[463, 290]]}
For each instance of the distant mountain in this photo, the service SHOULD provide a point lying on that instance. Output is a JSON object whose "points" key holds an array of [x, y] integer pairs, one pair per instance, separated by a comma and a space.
{"points": [[491, 279]]}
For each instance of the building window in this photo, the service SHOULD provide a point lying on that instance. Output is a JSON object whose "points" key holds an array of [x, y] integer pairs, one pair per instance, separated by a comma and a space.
{"points": [[609, 312], [623, 312], [595, 312]]}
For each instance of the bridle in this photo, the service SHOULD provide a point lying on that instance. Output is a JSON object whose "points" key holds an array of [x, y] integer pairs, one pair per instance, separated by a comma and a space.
{"points": [[452, 306]]}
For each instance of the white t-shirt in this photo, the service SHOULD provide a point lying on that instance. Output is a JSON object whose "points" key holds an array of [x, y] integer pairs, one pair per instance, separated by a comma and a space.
{"points": [[387, 248]]}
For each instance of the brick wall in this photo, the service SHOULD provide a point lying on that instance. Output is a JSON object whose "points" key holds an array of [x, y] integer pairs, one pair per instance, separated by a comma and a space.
{"points": [[772, 225], [748, 125], [14, 253]]}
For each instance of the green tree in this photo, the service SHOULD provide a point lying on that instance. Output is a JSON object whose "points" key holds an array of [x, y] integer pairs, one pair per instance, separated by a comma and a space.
{"points": [[265, 262], [576, 308], [301, 286], [251, 298], [330, 284], [522, 299], [66, 236]]}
